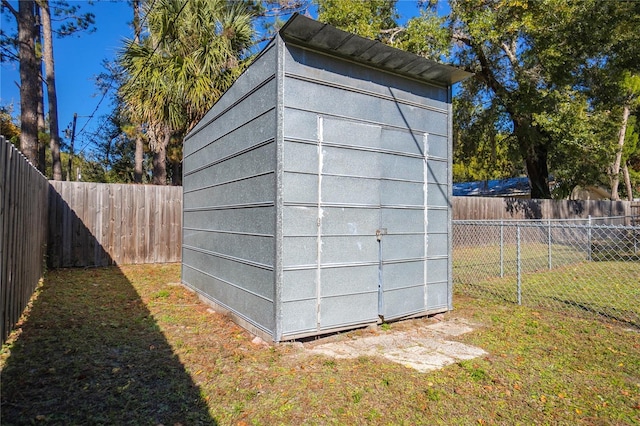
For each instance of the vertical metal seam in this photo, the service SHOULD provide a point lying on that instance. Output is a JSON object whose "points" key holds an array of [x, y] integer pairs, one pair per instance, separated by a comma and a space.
{"points": [[502, 249], [279, 176], [549, 262], [319, 230], [380, 263], [425, 172], [518, 266], [450, 196]]}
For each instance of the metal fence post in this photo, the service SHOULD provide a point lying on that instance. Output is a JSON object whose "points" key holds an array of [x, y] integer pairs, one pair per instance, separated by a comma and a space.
{"points": [[518, 266], [501, 249], [549, 243], [589, 239]]}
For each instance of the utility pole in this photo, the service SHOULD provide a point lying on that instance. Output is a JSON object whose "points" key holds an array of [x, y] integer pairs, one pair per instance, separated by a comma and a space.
{"points": [[73, 136]]}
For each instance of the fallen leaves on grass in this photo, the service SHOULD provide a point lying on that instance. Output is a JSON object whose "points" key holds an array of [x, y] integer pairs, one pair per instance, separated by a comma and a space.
{"points": [[164, 357]]}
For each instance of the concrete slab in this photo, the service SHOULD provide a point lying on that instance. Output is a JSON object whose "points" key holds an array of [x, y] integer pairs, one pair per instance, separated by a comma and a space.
{"points": [[421, 345]]}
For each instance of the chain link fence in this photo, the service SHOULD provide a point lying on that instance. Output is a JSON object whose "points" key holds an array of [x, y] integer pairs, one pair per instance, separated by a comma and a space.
{"points": [[589, 266]]}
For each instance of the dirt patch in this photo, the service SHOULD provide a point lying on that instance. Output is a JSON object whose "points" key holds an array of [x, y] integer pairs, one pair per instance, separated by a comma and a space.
{"points": [[420, 344]]}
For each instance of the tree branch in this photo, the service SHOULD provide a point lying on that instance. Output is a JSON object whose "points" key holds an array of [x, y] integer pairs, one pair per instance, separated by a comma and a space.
{"points": [[6, 4], [486, 71], [393, 31], [510, 52], [9, 54]]}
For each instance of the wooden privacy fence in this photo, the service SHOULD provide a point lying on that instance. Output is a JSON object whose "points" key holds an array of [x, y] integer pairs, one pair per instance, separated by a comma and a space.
{"points": [[23, 232], [97, 224], [490, 208]]}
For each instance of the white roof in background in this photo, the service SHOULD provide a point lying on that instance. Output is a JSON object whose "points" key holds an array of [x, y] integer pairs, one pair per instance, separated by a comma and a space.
{"points": [[304, 31]]}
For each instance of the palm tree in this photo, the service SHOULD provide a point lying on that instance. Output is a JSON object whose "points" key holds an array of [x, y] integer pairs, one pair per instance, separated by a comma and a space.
{"points": [[193, 52]]}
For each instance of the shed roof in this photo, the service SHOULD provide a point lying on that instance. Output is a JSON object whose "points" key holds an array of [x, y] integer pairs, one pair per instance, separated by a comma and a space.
{"points": [[307, 32]]}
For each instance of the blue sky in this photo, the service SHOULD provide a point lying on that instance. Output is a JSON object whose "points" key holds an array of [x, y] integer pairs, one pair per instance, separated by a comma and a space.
{"points": [[78, 60]]}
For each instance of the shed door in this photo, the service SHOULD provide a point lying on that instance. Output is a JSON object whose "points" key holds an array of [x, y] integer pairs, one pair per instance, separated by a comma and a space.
{"points": [[371, 222]]}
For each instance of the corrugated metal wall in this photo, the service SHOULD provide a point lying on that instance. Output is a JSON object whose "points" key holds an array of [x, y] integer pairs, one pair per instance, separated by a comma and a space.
{"points": [[364, 151], [229, 198]]}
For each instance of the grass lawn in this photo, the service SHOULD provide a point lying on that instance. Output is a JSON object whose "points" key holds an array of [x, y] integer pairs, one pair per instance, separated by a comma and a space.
{"points": [[129, 346], [606, 287]]}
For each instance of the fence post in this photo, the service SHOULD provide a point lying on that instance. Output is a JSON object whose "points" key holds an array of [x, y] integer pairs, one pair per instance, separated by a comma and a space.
{"points": [[501, 249], [589, 239], [549, 243], [518, 266]]}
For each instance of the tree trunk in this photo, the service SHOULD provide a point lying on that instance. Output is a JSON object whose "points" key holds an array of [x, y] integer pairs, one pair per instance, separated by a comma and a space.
{"points": [[137, 28], [139, 157], [538, 172], [176, 172], [160, 159], [54, 133], [42, 151], [627, 182], [139, 154], [615, 169], [535, 155], [29, 80]]}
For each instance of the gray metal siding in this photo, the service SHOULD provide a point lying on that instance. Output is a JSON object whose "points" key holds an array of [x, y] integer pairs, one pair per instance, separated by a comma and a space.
{"points": [[349, 76], [356, 161], [263, 69], [290, 175], [359, 106], [231, 136], [438, 219], [251, 307], [229, 198]]}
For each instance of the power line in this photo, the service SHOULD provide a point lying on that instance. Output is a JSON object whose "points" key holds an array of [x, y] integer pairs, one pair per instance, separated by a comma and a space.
{"points": [[135, 77], [104, 95], [144, 18]]}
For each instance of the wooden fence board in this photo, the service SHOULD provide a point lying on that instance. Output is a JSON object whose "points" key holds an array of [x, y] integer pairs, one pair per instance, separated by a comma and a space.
{"points": [[117, 241], [104, 224], [23, 225], [494, 208], [140, 228], [4, 201], [146, 238]]}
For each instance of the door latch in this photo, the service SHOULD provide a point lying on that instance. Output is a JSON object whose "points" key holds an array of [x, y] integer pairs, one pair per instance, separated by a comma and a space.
{"points": [[380, 233]]}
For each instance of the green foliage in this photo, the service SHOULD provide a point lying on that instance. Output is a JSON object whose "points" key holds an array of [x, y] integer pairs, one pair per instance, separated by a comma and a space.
{"points": [[426, 35], [583, 141], [632, 152], [374, 19], [72, 20], [8, 128], [193, 52], [481, 149]]}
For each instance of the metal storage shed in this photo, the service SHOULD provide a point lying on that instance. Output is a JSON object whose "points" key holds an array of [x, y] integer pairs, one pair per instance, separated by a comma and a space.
{"points": [[316, 190]]}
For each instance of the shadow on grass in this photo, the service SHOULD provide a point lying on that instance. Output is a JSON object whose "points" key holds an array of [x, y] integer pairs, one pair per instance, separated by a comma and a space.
{"points": [[90, 352]]}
